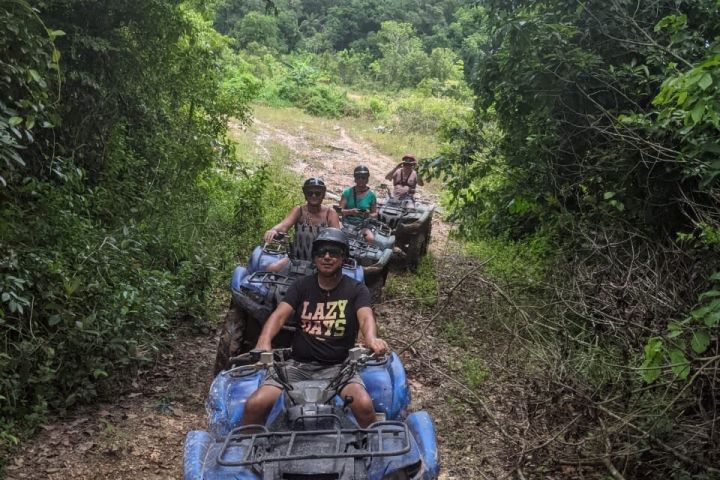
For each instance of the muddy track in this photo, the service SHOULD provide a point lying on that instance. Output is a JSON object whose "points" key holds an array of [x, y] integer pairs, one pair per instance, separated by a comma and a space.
{"points": [[140, 434]]}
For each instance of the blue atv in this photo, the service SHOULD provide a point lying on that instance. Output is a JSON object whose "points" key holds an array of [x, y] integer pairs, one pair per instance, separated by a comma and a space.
{"points": [[311, 432], [256, 292]]}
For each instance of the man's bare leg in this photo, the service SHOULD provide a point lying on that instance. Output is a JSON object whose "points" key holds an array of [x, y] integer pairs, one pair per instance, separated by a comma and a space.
{"points": [[258, 406], [362, 406]]}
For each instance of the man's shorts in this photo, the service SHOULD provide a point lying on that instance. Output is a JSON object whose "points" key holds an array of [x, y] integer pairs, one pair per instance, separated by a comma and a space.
{"points": [[298, 371]]}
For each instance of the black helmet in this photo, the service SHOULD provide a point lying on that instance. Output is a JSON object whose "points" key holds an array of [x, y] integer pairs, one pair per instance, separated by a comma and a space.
{"points": [[314, 182], [334, 236], [361, 170]]}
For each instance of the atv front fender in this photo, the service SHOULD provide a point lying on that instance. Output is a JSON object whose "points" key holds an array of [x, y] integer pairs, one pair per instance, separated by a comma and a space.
{"points": [[423, 430]]}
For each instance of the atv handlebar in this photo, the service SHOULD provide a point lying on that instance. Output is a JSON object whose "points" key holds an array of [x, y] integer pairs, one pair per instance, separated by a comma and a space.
{"points": [[279, 243], [257, 359], [339, 210]]}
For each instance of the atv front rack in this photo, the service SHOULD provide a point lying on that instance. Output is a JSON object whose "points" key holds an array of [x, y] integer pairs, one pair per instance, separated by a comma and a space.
{"points": [[270, 277], [267, 446]]}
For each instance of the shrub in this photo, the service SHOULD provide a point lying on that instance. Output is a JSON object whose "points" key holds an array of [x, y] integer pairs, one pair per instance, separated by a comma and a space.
{"points": [[418, 113]]}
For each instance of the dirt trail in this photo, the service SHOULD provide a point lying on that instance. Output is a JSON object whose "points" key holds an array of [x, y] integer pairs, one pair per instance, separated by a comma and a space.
{"points": [[140, 434], [333, 158]]}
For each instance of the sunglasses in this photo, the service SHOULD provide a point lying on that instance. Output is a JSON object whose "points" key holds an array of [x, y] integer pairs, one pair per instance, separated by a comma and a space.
{"points": [[365, 177], [334, 252], [314, 193]]}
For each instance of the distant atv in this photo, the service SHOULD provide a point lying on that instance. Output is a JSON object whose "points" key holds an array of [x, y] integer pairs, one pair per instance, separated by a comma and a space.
{"points": [[375, 257], [411, 221], [256, 292]]}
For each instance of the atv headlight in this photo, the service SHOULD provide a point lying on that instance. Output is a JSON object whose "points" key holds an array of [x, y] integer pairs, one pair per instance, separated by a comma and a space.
{"points": [[253, 295]]}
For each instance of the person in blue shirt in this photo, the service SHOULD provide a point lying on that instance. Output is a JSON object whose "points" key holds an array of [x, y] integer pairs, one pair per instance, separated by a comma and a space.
{"points": [[359, 202]]}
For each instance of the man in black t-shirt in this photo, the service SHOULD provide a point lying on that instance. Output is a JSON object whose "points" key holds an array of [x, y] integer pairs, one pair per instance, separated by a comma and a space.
{"points": [[330, 309]]}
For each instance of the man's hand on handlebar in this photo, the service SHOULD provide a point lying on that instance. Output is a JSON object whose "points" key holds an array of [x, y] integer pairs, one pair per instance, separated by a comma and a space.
{"points": [[262, 346], [377, 345]]}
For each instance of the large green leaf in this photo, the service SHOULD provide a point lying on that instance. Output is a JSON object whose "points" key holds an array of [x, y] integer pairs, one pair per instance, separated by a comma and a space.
{"points": [[680, 365], [650, 369], [700, 341], [705, 81], [697, 113]]}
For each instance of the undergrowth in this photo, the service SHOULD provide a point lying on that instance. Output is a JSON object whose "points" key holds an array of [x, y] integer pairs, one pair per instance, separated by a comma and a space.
{"points": [[423, 285]]}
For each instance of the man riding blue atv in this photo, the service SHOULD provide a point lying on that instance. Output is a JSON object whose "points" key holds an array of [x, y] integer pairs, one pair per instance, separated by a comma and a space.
{"points": [[258, 288], [329, 411]]}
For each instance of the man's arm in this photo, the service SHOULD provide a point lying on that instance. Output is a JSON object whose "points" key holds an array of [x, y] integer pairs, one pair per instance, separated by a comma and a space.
{"points": [[367, 327], [419, 180], [273, 325]]}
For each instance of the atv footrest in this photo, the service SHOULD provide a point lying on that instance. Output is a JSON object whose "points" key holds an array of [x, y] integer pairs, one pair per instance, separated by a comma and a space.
{"points": [[381, 439]]}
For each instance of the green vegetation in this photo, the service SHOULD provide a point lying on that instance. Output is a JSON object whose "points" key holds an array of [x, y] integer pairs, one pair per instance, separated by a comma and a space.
{"points": [[587, 175], [424, 284], [474, 371], [119, 204], [455, 332], [578, 150], [420, 287]]}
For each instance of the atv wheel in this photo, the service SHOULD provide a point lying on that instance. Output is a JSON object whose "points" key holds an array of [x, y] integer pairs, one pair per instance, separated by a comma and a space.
{"points": [[399, 475], [415, 250], [232, 337], [376, 286], [426, 243]]}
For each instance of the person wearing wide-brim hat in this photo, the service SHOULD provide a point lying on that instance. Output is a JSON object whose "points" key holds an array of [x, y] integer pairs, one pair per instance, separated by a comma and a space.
{"points": [[404, 177]]}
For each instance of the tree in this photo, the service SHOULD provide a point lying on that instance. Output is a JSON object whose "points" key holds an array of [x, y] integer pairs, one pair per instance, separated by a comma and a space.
{"points": [[261, 29], [595, 130], [403, 63], [107, 133]]}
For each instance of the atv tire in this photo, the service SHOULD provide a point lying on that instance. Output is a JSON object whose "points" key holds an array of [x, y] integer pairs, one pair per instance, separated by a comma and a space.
{"points": [[416, 249], [426, 243], [376, 286], [232, 340]]}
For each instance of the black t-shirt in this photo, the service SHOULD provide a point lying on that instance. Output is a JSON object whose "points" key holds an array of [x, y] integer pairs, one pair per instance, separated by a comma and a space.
{"points": [[327, 320]]}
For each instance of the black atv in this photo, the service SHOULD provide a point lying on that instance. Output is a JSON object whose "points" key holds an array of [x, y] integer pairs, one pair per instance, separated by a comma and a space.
{"points": [[373, 257], [411, 222]]}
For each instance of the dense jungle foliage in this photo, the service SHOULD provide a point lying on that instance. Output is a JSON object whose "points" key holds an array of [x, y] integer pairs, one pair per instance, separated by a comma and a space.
{"points": [[579, 152], [593, 152], [116, 205]]}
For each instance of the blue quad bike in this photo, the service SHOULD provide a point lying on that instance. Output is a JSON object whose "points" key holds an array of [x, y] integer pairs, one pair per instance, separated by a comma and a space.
{"points": [[373, 257], [256, 292], [311, 432], [411, 222]]}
